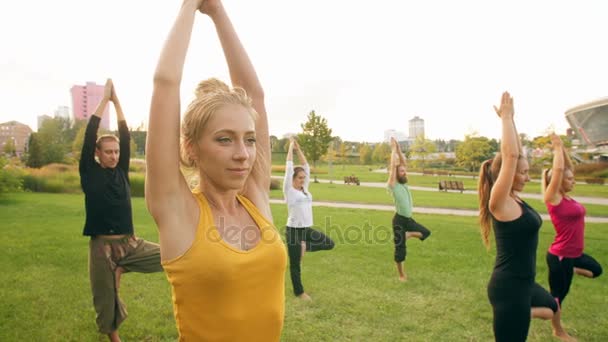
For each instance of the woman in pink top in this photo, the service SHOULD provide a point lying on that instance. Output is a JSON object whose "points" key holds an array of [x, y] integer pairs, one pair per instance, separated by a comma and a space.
{"points": [[565, 256]]}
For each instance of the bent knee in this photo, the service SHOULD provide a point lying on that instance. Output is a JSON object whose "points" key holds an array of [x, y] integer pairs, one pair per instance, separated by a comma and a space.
{"points": [[597, 272]]}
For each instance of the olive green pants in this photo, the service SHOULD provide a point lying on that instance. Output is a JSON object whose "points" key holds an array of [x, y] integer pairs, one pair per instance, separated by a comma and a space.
{"points": [[105, 255]]}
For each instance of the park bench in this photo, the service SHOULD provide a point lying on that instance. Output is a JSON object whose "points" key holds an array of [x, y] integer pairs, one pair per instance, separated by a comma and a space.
{"points": [[428, 172], [351, 180], [596, 180], [451, 185]]}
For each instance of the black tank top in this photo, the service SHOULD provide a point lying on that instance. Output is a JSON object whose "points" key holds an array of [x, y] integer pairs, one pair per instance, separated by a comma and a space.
{"points": [[516, 243]]}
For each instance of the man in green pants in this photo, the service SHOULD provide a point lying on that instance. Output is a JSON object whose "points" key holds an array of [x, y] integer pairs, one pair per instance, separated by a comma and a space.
{"points": [[113, 249]]}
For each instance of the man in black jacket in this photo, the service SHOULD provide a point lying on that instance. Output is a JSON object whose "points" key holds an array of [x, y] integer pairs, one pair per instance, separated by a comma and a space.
{"points": [[113, 249]]}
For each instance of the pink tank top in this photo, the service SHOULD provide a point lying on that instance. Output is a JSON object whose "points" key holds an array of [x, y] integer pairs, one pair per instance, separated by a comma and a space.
{"points": [[568, 218]]}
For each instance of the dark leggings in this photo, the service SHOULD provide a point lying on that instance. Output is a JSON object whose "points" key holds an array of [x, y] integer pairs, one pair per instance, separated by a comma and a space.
{"points": [[402, 225], [561, 272], [512, 300], [315, 241]]}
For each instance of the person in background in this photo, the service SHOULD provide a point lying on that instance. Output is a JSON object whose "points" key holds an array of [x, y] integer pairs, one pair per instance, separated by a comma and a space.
{"points": [[565, 256], [299, 235], [113, 248]]}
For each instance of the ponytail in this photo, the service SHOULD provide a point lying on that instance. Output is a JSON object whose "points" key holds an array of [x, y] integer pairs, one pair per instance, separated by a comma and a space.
{"points": [[484, 186]]}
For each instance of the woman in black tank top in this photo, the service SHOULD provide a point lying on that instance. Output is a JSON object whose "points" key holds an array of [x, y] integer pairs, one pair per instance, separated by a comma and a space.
{"points": [[513, 293]]}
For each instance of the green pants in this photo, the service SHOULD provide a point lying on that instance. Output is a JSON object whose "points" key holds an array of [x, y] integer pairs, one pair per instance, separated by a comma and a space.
{"points": [[105, 255]]}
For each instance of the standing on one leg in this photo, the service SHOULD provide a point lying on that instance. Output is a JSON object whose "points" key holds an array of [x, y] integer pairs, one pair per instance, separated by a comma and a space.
{"points": [[404, 226], [113, 249], [565, 256], [222, 255], [512, 291], [299, 235]]}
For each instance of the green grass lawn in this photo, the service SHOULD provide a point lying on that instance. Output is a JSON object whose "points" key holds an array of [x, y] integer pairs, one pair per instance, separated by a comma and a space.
{"points": [[364, 174], [339, 192], [46, 295]]}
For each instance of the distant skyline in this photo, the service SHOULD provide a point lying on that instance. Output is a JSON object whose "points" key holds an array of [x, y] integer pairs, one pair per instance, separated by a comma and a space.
{"points": [[365, 67]]}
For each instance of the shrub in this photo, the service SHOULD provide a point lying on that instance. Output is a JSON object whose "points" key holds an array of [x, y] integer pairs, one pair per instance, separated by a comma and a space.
{"points": [[55, 178], [278, 168], [275, 184], [137, 165], [10, 177], [591, 169], [137, 181]]}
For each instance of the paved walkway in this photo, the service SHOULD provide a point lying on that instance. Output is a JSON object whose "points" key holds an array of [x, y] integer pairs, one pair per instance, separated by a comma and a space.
{"points": [[439, 211], [581, 199]]}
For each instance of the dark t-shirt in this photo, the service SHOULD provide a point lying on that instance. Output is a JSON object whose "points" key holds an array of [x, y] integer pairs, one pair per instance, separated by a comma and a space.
{"points": [[107, 191], [516, 243]]}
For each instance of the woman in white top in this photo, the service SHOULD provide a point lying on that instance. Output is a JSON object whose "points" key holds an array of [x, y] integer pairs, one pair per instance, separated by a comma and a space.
{"points": [[299, 235]]}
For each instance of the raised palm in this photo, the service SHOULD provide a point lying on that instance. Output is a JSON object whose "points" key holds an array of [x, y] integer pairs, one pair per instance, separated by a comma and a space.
{"points": [[506, 106]]}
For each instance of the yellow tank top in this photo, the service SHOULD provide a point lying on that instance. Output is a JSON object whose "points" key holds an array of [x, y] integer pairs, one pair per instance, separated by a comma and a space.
{"points": [[222, 293]]}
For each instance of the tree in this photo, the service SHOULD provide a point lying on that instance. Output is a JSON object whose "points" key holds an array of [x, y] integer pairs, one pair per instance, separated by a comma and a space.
{"points": [[335, 143], [494, 144], [382, 153], [139, 137], [133, 148], [441, 145], [280, 145], [365, 154], [34, 152], [452, 145], [78, 142], [9, 148], [343, 150], [55, 139], [421, 148], [273, 142], [315, 138], [473, 151], [541, 142], [525, 140]]}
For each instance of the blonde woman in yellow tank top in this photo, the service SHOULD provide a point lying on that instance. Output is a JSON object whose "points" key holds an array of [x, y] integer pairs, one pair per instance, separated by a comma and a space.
{"points": [[220, 250]]}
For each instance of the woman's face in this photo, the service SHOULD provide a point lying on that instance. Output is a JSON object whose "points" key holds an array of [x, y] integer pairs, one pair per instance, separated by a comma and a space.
{"points": [[521, 175], [298, 180], [227, 148], [568, 181]]}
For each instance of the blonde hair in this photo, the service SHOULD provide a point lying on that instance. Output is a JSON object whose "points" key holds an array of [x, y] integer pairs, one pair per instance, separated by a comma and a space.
{"points": [[105, 137], [211, 95], [546, 178]]}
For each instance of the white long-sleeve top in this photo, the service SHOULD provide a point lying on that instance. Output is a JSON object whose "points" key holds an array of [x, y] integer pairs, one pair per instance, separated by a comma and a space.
{"points": [[299, 203]]}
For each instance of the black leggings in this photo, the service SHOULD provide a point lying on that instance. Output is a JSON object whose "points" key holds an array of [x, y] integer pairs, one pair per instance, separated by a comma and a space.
{"points": [[315, 241], [561, 272], [512, 300], [402, 225]]}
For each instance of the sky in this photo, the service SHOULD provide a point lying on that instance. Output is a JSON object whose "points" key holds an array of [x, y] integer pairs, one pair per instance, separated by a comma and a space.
{"points": [[365, 66]]}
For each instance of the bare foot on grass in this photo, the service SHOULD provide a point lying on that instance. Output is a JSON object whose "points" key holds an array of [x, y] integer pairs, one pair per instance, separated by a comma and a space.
{"points": [[305, 296]]}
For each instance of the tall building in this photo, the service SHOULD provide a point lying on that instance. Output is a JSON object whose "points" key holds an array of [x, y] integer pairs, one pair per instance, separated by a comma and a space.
{"points": [[17, 132], [85, 100], [416, 127], [62, 112]]}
